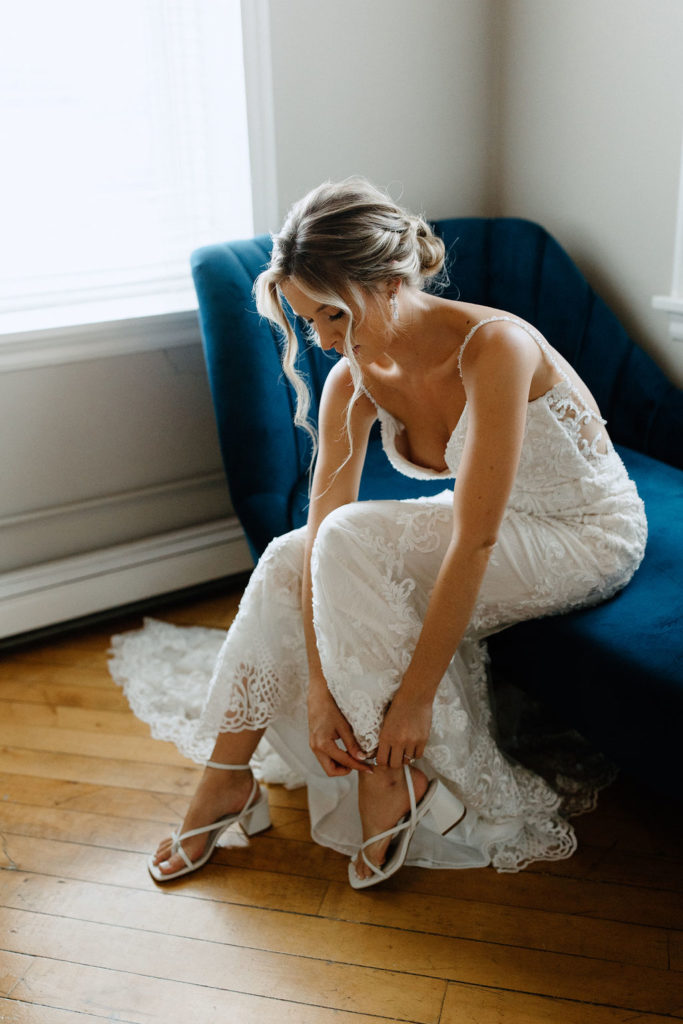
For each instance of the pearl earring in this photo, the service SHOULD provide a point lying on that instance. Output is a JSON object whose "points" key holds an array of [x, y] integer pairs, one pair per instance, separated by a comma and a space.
{"points": [[393, 301]]}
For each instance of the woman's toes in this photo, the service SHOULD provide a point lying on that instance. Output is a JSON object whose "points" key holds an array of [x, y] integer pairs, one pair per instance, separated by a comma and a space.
{"points": [[163, 851], [361, 868], [377, 854], [174, 863]]}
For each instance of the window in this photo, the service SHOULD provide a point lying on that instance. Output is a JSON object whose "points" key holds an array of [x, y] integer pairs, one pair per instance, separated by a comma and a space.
{"points": [[673, 303], [125, 146]]}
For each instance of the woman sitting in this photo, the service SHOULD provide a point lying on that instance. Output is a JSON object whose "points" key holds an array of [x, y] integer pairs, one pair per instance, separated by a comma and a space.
{"points": [[359, 643]]}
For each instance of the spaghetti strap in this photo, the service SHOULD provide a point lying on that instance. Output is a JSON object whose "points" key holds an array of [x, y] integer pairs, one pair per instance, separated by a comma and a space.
{"points": [[545, 349], [367, 394], [542, 344]]}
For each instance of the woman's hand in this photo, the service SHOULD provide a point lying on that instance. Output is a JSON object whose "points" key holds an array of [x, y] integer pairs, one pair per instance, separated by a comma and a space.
{"points": [[405, 731], [326, 725]]}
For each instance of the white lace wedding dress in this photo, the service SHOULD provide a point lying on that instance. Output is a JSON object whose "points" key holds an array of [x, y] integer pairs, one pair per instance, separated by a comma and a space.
{"points": [[573, 534]]}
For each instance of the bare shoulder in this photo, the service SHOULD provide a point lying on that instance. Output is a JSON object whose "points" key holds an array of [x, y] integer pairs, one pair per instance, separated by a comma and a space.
{"points": [[500, 348], [338, 391]]}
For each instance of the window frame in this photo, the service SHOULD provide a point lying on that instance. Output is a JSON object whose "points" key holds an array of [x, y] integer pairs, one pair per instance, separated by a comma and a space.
{"points": [[673, 303], [102, 330]]}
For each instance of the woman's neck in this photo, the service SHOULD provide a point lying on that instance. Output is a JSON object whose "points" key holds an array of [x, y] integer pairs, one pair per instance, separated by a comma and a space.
{"points": [[428, 334]]}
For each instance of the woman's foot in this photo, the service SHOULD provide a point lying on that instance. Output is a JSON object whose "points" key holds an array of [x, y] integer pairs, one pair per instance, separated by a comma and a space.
{"points": [[219, 793], [383, 800]]}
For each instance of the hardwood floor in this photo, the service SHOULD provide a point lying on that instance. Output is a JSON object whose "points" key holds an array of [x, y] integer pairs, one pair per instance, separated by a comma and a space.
{"points": [[272, 932]]}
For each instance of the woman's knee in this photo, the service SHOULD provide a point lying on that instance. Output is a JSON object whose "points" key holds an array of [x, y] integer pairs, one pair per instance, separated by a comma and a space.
{"points": [[284, 554], [341, 533]]}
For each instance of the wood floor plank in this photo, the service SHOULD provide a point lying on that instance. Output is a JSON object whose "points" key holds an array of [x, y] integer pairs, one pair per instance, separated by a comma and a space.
{"points": [[657, 908], [132, 999], [83, 719], [638, 870], [591, 863], [88, 646], [175, 780], [471, 1004], [315, 938], [26, 789], [302, 858], [14, 1012], [366, 990], [101, 698], [633, 827], [218, 965], [276, 891], [120, 802], [78, 827], [94, 676], [101, 771], [217, 613], [90, 744], [617, 902], [514, 926], [99, 829], [13, 967]]}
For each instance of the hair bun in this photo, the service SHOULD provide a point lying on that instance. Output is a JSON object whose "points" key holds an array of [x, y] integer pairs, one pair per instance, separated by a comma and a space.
{"points": [[431, 250]]}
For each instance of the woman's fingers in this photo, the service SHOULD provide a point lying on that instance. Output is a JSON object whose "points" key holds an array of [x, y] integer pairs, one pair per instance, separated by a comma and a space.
{"points": [[349, 740], [404, 733], [327, 726], [389, 756], [337, 761], [330, 767], [398, 754], [397, 757]]}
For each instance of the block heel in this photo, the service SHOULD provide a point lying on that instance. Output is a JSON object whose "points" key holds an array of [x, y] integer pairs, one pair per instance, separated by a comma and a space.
{"points": [[444, 811], [257, 818]]}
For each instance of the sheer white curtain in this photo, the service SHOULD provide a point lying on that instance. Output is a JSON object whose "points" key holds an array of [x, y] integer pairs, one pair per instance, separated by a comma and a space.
{"points": [[125, 145]]}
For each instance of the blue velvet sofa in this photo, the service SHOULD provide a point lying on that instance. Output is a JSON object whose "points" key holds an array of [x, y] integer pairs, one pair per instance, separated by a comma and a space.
{"points": [[614, 672]]}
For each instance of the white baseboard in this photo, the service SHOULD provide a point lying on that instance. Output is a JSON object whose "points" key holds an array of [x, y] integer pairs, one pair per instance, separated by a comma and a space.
{"points": [[54, 592]]}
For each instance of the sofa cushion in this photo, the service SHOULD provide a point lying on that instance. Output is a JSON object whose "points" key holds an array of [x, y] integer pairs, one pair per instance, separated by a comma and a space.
{"points": [[615, 672]]}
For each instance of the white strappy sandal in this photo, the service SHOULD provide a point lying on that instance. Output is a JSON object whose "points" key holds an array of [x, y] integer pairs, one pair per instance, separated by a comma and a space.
{"points": [[439, 810], [252, 819]]}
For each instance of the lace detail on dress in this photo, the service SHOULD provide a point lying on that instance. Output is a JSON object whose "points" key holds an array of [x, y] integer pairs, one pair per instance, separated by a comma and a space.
{"points": [[573, 533], [372, 570], [154, 664], [191, 684], [364, 663], [571, 411], [255, 679], [578, 420]]}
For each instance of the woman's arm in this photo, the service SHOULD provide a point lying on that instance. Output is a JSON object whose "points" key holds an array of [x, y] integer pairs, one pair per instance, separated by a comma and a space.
{"points": [[497, 374], [332, 487]]}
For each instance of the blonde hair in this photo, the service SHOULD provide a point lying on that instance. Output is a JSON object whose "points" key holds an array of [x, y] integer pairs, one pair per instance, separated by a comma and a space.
{"points": [[343, 241]]}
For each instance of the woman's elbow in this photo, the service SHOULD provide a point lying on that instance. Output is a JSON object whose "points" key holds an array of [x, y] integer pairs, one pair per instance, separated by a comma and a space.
{"points": [[476, 543]]}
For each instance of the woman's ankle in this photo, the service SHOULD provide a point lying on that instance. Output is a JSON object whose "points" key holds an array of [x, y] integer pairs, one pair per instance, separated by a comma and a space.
{"points": [[384, 777]]}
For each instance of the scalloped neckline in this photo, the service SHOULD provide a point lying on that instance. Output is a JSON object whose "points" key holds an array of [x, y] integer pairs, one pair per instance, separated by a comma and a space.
{"points": [[447, 473]]}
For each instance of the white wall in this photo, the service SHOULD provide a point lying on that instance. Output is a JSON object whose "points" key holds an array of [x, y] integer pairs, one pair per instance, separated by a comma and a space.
{"points": [[592, 112], [104, 451], [399, 91]]}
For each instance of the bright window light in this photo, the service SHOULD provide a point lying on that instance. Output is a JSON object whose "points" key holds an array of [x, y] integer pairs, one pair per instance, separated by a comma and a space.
{"points": [[124, 147]]}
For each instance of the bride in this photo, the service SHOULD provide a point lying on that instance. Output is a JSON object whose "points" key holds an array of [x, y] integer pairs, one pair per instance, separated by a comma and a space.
{"points": [[358, 648]]}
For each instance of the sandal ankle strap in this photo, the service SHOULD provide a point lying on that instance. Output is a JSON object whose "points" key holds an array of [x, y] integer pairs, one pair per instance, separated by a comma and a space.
{"points": [[228, 767]]}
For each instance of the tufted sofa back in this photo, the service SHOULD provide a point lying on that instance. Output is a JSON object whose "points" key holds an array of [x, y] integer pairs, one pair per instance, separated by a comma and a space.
{"points": [[507, 263]]}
